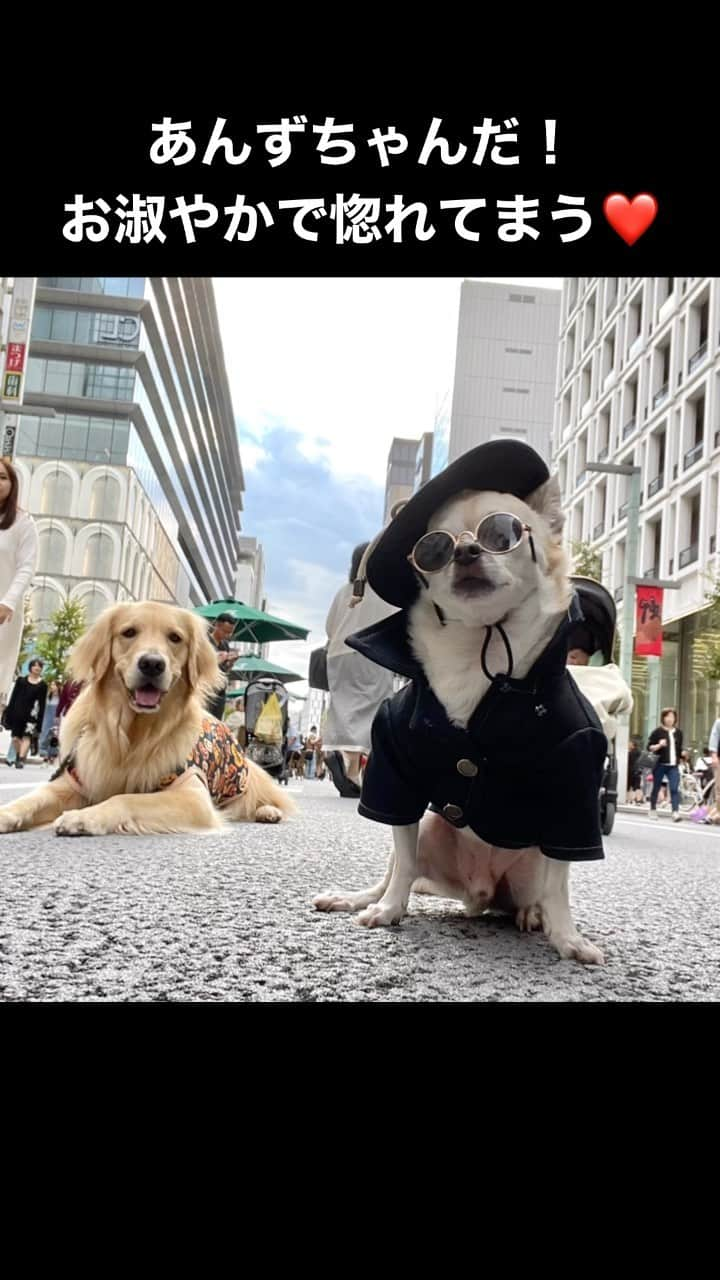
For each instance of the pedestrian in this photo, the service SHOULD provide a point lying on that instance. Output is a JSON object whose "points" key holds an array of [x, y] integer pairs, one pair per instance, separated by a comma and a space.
{"points": [[666, 743], [293, 747], [309, 749], [357, 685], [68, 694], [634, 773], [18, 561], [219, 634], [319, 760], [24, 712], [49, 728]]}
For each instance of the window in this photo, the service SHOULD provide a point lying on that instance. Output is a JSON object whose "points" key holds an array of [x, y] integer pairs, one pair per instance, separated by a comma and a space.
{"points": [[589, 324], [105, 499], [608, 355], [63, 325], [65, 377], [94, 602], [51, 551], [42, 317], [586, 384], [44, 602], [634, 324], [56, 497], [99, 440], [120, 286], [98, 557]]}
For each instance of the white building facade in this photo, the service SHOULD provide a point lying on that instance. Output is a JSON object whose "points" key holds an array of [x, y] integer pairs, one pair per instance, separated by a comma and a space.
{"points": [[638, 381], [99, 538], [505, 366]]}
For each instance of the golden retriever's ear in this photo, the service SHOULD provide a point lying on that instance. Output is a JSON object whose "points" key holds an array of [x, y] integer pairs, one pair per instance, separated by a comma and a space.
{"points": [[204, 674], [90, 656], [547, 501]]}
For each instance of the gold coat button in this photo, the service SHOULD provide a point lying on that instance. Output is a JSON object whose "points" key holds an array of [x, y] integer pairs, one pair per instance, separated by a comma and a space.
{"points": [[452, 812], [467, 768]]}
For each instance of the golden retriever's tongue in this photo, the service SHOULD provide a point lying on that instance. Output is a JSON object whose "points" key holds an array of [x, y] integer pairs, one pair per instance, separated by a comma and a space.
{"points": [[147, 697]]}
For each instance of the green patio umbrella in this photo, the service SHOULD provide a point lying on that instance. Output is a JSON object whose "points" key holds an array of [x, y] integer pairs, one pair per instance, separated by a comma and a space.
{"points": [[252, 625], [250, 665]]}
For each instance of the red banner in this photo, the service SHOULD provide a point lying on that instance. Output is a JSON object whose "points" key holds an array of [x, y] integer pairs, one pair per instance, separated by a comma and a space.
{"points": [[15, 359], [648, 621]]}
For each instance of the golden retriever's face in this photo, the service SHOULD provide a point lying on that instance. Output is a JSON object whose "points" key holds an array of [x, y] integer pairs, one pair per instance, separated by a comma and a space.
{"points": [[148, 649]]}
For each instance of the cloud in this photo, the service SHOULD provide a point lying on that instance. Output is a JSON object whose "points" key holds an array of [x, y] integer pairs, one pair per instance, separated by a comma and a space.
{"points": [[308, 521], [252, 455]]}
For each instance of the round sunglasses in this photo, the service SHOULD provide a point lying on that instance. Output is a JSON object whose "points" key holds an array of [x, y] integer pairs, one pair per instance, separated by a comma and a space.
{"points": [[497, 534]]}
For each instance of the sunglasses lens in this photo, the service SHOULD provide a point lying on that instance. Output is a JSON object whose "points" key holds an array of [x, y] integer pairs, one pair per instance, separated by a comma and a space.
{"points": [[500, 532], [433, 551]]}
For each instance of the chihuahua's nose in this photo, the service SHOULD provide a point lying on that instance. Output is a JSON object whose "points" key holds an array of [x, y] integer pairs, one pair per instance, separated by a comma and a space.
{"points": [[151, 665], [467, 552]]}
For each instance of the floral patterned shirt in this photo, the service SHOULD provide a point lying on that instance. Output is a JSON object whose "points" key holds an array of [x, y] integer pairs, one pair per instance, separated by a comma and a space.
{"points": [[217, 758]]}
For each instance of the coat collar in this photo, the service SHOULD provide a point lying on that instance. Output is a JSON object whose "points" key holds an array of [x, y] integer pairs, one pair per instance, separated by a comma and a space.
{"points": [[387, 644]]}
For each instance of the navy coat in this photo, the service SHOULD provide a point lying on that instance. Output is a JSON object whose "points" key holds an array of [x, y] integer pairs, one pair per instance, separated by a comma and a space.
{"points": [[526, 771]]}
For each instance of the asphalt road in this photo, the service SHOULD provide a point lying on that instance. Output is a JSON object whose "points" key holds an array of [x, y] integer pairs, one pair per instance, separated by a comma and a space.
{"points": [[229, 917]]}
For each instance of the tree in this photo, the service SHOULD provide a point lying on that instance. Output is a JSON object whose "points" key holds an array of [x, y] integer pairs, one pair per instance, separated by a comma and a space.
{"points": [[711, 664], [586, 563], [67, 625]]}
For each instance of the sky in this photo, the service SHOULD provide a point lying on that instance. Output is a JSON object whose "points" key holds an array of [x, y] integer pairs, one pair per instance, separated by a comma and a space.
{"points": [[323, 373]]}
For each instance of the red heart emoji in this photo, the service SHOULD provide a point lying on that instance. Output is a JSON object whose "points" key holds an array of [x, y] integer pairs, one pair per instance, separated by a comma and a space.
{"points": [[630, 218]]}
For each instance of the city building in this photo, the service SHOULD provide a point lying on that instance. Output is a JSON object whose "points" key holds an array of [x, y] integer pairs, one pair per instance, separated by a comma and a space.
{"points": [[250, 584], [505, 366], [639, 382], [423, 460], [250, 573], [401, 470], [441, 435], [136, 482]]}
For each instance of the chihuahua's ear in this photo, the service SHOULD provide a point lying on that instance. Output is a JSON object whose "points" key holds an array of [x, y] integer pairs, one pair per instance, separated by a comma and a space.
{"points": [[547, 501]]}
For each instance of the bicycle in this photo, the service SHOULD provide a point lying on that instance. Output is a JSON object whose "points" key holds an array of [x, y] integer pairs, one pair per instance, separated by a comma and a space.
{"points": [[694, 792]]}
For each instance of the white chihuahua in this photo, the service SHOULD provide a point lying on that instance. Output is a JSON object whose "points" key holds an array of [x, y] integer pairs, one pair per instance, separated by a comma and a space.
{"points": [[485, 634]]}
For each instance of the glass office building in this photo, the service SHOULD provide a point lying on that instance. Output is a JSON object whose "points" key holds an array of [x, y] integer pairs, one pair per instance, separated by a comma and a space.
{"points": [[135, 481]]}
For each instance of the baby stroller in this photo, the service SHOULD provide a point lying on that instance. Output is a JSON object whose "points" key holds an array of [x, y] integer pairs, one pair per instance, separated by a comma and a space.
{"points": [[600, 613], [266, 725]]}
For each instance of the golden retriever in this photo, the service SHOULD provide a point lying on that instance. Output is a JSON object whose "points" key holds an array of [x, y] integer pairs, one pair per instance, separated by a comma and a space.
{"points": [[139, 754]]}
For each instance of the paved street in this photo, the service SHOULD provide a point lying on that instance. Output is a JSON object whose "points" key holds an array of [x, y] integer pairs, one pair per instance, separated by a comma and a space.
{"points": [[229, 917]]}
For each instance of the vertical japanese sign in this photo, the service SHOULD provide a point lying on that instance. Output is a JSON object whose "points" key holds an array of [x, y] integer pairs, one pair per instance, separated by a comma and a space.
{"points": [[14, 366], [648, 621]]}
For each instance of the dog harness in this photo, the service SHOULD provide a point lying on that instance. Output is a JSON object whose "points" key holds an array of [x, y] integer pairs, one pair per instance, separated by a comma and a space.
{"points": [[217, 758]]}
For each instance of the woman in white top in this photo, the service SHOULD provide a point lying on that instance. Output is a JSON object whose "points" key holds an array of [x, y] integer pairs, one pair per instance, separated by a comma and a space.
{"points": [[18, 561], [357, 686]]}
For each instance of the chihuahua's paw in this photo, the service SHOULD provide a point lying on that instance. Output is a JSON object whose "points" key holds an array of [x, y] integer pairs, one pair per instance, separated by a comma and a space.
{"points": [[381, 913], [575, 947]]}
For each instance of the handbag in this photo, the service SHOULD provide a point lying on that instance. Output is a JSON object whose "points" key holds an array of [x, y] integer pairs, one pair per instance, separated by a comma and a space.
{"points": [[647, 760], [317, 669]]}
